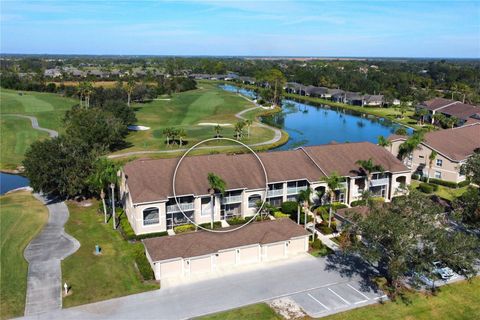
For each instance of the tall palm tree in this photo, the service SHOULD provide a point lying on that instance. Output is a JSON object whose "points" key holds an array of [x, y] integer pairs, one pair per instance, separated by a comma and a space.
{"points": [[403, 108], [104, 174], [422, 113], [217, 185], [440, 118], [431, 157], [248, 124], [167, 132], [87, 90], [304, 200], [239, 129], [218, 128], [182, 134], [369, 167], [384, 142], [130, 86], [452, 121], [333, 181], [409, 145]]}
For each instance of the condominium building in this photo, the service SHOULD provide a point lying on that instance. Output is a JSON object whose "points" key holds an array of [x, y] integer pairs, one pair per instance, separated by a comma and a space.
{"points": [[149, 198]]}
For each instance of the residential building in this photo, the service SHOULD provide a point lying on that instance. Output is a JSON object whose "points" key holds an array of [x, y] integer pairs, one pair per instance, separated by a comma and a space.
{"points": [[453, 147], [450, 108], [203, 252], [52, 73], [149, 198]]}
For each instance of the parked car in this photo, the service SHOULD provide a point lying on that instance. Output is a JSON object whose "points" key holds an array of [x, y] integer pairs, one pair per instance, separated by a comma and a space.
{"points": [[442, 270], [423, 279]]}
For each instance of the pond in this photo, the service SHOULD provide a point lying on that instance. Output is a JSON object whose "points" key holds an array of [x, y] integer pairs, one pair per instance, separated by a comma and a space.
{"points": [[10, 182], [309, 124]]}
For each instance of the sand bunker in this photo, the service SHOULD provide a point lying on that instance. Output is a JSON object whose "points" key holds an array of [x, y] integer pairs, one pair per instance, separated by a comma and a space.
{"points": [[138, 128]]}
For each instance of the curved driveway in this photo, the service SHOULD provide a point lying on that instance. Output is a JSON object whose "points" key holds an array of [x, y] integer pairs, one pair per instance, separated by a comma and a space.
{"points": [[44, 254], [35, 125]]}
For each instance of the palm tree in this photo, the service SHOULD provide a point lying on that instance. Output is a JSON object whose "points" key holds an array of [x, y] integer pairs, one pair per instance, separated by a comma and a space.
{"points": [[248, 124], [81, 89], [422, 113], [369, 167], [104, 174], [333, 182], [182, 134], [86, 89], [217, 185], [440, 118], [218, 128], [304, 200], [130, 86], [431, 157], [410, 144], [167, 132], [239, 129], [384, 142], [452, 121]]}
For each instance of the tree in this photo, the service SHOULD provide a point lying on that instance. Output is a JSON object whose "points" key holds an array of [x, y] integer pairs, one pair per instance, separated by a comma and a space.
{"points": [[368, 167], [217, 185], [248, 124], [239, 129], [411, 144], [85, 89], [421, 114], [431, 158], [130, 86], [60, 166], [403, 108], [333, 182], [275, 81], [120, 110], [182, 134], [384, 142], [408, 235], [304, 198], [104, 173], [440, 119], [218, 128], [471, 168], [467, 207], [167, 132], [401, 131]]}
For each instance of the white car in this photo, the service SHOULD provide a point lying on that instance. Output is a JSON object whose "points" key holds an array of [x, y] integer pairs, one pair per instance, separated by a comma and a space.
{"points": [[443, 271]]}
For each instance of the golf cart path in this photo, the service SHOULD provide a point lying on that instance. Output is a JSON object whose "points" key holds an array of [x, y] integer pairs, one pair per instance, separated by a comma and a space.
{"points": [[277, 136], [44, 254], [35, 125]]}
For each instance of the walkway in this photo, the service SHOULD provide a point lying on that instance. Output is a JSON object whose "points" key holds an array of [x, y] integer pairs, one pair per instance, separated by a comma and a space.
{"points": [[44, 254], [35, 125], [239, 115]]}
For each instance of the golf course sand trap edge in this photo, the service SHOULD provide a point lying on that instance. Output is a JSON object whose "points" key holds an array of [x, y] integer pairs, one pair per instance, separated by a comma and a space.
{"points": [[138, 128]]}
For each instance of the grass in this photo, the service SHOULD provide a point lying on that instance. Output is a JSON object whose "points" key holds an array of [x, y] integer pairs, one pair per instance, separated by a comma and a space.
{"points": [[455, 301], [21, 218], [444, 192], [260, 311], [109, 275], [16, 135], [186, 110]]}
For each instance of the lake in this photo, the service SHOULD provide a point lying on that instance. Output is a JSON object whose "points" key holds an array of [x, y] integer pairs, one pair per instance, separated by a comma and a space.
{"points": [[11, 181], [309, 124]]}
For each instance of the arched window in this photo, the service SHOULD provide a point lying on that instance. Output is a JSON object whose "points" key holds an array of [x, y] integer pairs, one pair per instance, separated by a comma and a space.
{"points": [[150, 216], [253, 199]]}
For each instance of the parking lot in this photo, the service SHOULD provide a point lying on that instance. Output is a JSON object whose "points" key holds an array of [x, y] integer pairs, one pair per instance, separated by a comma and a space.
{"points": [[335, 298]]}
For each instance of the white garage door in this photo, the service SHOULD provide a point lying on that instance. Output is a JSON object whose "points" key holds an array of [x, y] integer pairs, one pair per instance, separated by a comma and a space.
{"points": [[170, 269], [226, 258], [296, 246], [200, 265], [249, 255], [275, 251]]}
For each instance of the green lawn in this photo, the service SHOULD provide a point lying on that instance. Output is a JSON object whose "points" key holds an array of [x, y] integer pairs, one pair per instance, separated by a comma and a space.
{"points": [[94, 278], [444, 192], [207, 104], [16, 135], [259, 311], [21, 218], [456, 301]]}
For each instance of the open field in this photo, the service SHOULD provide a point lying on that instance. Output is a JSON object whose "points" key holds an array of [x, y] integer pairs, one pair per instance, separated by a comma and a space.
{"points": [[109, 275], [16, 135], [194, 111], [454, 301], [21, 218]]}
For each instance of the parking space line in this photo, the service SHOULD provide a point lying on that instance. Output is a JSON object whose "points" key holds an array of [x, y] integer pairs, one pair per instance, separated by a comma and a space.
{"points": [[308, 294], [358, 302], [358, 291], [339, 296]]}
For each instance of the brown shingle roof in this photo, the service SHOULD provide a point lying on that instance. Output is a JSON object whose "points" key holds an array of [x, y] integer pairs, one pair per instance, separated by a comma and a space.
{"points": [[436, 103], [457, 143], [203, 242], [151, 180], [460, 110]]}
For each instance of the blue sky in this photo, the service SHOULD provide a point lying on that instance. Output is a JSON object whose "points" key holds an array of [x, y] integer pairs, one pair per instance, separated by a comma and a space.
{"points": [[292, 28]]}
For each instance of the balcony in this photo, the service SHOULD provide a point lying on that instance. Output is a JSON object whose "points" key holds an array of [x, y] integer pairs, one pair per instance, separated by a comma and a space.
{"points": [[296, 190], [231, 199], [378, 182], [184, 206], [275, 193]]}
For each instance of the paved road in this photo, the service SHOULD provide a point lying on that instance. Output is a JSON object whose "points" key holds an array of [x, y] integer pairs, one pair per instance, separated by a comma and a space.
{"points": [[276, 138], [292, 278], [35, 125], [44, 254]]}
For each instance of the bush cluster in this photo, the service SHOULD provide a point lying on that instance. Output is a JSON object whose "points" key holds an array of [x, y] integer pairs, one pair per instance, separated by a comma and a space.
{"points": [[357, 203], [143, 265], [445, 183], [128, 233], [207, 225], [279, 214], [184, 228], [289, 207]]}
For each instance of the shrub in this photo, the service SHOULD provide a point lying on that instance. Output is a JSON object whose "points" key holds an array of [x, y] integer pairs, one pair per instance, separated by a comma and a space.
{"points": [[425, 187], [317, 244], [279, 214], [463, 183], [357, 203], [184, 228], [377, 199], [151, 235], [207, 225], [128, 233], [448, 184], [290, 207], [143, 265], [323, 227], [236, 220], [302, 218]]}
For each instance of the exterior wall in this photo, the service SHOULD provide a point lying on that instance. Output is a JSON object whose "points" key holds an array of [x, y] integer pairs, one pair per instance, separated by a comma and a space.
{"points": [[249, 255], [169, 269], [274, 251], [135, 217], [396, 186]]}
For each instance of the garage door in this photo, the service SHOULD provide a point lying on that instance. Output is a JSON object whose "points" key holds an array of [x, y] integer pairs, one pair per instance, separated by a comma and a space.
{"points": [[170, 269], [275, 251], [249, 255], [226, 258], [200, 265], [296, 246]]}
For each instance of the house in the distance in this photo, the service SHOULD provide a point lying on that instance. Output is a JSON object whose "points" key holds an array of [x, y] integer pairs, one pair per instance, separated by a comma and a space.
{"points": [[450, 108], [453, 147]]}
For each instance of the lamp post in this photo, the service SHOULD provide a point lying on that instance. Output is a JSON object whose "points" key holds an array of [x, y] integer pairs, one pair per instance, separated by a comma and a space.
{"points": [[112, 186]]}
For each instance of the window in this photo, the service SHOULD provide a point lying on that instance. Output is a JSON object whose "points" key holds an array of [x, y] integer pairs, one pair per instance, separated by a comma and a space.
{"points": [[252, 200], [206, 207], [438, 175], [439, 162], [421, 157], [150, 216]]}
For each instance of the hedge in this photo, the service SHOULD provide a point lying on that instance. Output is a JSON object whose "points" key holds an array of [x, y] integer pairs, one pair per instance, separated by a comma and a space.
{"points": [[289, 207], [216, 225], [357, 203], [463, 183], [279, 214], [236, 220], [323, 227], [448, 184], [128, 233], [425, 187], [143, 265], [184, 228]]}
